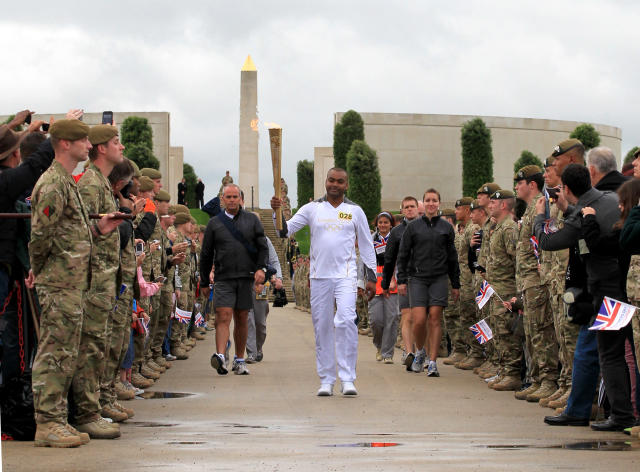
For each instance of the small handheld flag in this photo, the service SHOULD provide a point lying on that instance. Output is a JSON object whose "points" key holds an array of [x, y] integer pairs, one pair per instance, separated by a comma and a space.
{"points": [[485, 293], [613, 315], [182, 316], [481, 331]]}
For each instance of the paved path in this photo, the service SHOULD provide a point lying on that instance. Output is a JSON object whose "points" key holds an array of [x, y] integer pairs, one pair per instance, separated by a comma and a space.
{"points": [[272, 420]]}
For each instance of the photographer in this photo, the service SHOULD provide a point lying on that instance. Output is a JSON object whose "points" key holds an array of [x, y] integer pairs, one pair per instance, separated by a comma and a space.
{"points": [[603, 279]]}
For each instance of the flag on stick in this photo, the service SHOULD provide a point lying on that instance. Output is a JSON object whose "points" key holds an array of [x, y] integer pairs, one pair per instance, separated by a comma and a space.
{"points": [[481, 331], [485, 293], [182, 316], [613, 315]]}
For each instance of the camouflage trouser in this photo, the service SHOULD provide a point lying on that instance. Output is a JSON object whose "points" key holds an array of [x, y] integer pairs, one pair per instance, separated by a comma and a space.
{"points": [[154, 319], [507, 344], [157, 337], [490, 351], [56, 360], [139, 341], [95, 338], [538, 321], [453, 325], [567, 335], [468, 316], [635, 322], [362, 310], [178, 329], [116, 348]]}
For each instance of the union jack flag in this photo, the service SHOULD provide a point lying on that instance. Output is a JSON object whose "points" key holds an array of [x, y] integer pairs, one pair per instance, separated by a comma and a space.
{"points": [[199, 320], [534, 243], [613, 315], [550, 226], [481, 331], [485, 293], [182, 316]]}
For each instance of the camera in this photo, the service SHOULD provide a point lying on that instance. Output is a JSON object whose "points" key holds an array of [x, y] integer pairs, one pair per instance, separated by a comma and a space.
{"points": [[45, 127], [553, 192], [139, 248], [126, 190], [107, 117], [578, 305]]}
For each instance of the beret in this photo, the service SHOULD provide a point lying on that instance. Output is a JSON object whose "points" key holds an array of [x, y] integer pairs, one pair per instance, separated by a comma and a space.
{"points": [[527, 172], [70, 130], [136, 169], [100, 134], [193, 221], [182, 209], [464, 201], [448, 212], [182, 218], [565, 146], [502, 195], [163, 196], [475, 205], [549, 162], [489, 188], [173, 209], [146, 184], [151, 173]]}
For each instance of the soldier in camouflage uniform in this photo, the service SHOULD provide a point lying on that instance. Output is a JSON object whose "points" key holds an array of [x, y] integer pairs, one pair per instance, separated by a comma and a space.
{"points": [[226, 180], [553, 273], [538, 316], [60, 254], [489, 367], [466, 303], [183, 285], [501, 271], [452, 325]]}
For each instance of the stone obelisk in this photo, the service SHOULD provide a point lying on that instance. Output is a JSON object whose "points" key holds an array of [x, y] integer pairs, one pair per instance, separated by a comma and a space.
{"points": [[248, 171]]}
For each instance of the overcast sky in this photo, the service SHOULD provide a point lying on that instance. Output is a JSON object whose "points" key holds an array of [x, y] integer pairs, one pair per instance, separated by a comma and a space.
{"points": [[544, 59]]}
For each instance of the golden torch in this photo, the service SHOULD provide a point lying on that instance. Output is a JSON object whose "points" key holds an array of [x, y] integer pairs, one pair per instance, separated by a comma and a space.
{"points": [[275, 138]]}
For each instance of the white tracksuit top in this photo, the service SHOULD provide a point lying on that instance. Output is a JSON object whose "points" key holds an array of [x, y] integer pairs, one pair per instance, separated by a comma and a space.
{"points": [[333, 237]]}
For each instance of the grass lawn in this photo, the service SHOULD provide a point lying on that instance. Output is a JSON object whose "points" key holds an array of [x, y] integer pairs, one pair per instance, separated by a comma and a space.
{"points": [[201, 217]]}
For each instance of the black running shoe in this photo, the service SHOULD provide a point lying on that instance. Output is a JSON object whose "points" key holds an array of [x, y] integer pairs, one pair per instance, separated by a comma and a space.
{"points": [[217, 362], [409, 360]]}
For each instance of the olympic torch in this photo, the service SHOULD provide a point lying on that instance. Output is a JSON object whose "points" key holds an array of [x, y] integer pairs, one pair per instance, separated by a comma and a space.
{"points": [[275, 138]]}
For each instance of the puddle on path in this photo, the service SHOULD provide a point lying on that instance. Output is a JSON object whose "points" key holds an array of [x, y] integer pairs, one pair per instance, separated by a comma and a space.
{"points": [[151, 424], [576, 446], [238, 425], [154, 395], [190, 443], [364, 444]]}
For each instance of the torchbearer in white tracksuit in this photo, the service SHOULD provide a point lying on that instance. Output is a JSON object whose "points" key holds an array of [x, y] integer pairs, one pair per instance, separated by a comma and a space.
{"points": [[335, 224]]}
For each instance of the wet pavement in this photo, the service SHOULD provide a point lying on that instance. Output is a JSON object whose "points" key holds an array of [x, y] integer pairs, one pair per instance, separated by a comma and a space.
{"points": [[272, 420]]}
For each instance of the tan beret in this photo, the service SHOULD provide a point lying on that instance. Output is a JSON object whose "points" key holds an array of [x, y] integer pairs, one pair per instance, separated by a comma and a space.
{"points": [[450, 212], [475, 205], [489, 188], [565, 146], [501, 194], [182, 218], [527, 172], [163, 196], [151, 173], [464, 201], [136, 169], [182, 209], [69, 130], [173, 209], [146, 184], [100, 134]]}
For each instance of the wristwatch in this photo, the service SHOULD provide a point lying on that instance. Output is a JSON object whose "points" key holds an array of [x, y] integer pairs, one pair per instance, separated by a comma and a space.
{"points": [[263, 269]]}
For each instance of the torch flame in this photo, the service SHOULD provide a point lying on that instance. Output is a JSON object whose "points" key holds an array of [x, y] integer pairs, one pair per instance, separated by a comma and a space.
{"points": [[272, 125]]}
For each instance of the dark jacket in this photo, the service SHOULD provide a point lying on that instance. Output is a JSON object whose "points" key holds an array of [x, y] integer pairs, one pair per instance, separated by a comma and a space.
{"points": [[611, 182], [229, 256], [428, 251], [630, 234], [391, 253], [212, 207], [13, 183], [200, 189]]}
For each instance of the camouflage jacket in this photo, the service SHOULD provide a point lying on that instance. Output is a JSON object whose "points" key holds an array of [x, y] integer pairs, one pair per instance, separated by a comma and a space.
{"points": [[463, 242], [555, 263], [527, 273], [184, 270], [485, 251], [501, 270], [152, 264], [60, 246], [633, 281], [97, 197]]}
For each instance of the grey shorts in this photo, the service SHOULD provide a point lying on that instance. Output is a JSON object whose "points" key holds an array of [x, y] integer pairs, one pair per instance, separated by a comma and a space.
{"points": [[426, 293], [233, 293], [403, 301]]}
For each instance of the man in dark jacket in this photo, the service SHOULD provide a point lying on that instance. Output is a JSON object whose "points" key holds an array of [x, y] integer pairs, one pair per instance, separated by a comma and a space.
{"points": [[200, 193], [235, 248], [410, 213], [603, 279], [182, 191], [427, 255]]}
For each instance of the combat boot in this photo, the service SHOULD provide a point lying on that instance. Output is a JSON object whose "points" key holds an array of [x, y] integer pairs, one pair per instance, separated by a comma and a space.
{"points": [[560, 402], [454, 358], [485, 365], [186, 347], [635, 431], [494, 381], [488, 372], [127, 411], [190, 342], [148, 372], [522, 394], [162, 362], [198, 336], [158, 368], [123, 393], [84, 437], [547, 389], [54, 434], [180, 353], [544, 402], [100, 429], [508, 383], [139, 381], [114, 414], [469, 363]]}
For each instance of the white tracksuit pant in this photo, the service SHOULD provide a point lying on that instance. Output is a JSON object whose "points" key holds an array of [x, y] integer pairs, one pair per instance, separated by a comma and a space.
{"points": [[336, 335]]}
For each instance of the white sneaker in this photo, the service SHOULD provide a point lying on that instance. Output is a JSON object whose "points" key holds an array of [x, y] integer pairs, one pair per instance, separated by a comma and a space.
{"points": [[348, 388], [240, 368], [325, 390]]}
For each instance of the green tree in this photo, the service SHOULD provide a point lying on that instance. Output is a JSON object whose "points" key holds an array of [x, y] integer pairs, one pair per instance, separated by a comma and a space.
{"points": [[477, 157], [347, 130], [587, 135], [9, 119], [142, 156], [137, 137], [629, 157], [527, 158], [191, 180], [305, 181], [365, 186]]}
